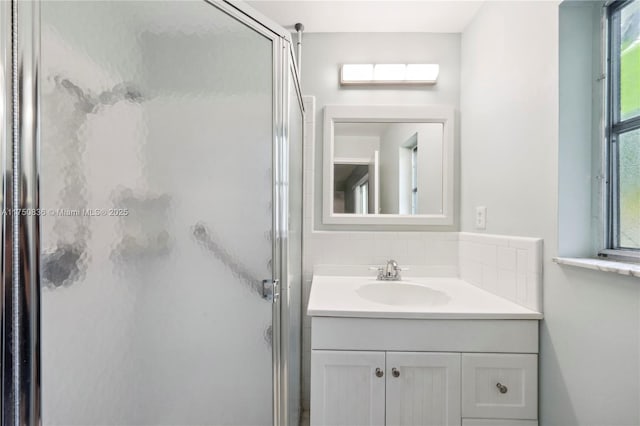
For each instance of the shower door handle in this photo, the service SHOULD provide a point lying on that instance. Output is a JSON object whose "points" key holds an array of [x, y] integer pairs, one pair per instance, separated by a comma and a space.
{"points": [[271, 289]]}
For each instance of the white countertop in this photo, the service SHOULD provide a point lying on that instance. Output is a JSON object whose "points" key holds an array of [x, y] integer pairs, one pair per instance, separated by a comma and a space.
{"points": [[337, 296]]}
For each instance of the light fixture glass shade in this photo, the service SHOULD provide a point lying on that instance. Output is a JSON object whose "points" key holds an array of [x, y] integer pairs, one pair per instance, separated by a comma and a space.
{"points": [[389, 74], [422, 72], [357, 72]]}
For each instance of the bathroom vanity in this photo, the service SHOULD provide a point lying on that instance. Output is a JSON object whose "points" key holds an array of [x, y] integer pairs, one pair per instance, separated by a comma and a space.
{"points": [[419, 351]]}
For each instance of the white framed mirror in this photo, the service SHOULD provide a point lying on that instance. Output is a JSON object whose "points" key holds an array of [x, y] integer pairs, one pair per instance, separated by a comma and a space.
{"points": [[389, 165]]}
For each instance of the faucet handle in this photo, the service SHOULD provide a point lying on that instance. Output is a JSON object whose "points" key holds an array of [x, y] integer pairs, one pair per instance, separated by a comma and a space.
{"points": [[379, 270]]}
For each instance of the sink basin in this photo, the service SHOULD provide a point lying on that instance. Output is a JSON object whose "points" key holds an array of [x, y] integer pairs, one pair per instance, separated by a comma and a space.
{"points": [[402, 293]]}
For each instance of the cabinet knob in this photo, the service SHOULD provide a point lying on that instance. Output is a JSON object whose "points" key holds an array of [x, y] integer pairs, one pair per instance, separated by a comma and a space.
{"points": [[395, 372], [502, 388], [379, 372]]}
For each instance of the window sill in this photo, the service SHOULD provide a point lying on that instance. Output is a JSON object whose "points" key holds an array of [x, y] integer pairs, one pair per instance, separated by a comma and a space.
{"points": [[622, 268]]}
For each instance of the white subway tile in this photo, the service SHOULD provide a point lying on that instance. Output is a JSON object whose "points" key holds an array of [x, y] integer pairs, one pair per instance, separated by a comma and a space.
{"points": [[442, 253], [412, 235], [362, 236], [535, 258], [507, 258], [507, 284], [534, 292], [490, 279], [475, 251], [383, 247], [416, 252], [522, 262], [497, 240], [522, 243], [418, 247], [398, 248], [464, 250], [489, 255], [472, 273]]}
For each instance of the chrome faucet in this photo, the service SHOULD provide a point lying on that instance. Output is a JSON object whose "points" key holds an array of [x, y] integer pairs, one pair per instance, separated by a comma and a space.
{"points": [[390, 272]]}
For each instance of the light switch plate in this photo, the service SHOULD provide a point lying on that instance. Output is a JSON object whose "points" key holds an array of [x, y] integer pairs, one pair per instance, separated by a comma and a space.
{"points": [[481, 217]]}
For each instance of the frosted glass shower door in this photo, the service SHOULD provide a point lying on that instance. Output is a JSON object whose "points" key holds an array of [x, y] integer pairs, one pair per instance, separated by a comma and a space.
{"points": [[156, 178]]}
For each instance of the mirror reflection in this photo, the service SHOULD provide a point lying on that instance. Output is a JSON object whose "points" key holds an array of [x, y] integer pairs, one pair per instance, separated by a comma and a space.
{"points": [[388, 168]]}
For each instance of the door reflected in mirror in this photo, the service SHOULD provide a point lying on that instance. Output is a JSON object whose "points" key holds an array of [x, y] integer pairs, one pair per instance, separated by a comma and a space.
{"points": [[388, 168]]}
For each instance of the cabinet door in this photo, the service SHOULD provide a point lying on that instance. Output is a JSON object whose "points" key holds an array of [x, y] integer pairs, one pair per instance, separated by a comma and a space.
{"points": [[347, 388], [423, 389]]}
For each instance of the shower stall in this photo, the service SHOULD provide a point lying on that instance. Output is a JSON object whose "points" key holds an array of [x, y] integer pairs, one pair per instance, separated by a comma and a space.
{"points": [[152, 214]]}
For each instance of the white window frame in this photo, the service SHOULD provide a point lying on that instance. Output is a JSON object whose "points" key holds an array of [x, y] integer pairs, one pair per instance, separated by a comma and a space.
{"points": [[414, 179], [614, 128], [362, 197]]}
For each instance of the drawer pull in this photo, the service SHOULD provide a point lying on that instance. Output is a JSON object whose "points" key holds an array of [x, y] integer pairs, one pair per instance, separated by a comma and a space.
{"points": [[395, 372], [503, 388], [379, 372]]}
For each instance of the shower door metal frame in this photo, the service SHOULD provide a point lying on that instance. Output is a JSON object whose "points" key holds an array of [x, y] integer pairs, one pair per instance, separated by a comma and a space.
{"points": [[19, 159], [20, 222], [6, 155], [284, 62], [290, 68]]}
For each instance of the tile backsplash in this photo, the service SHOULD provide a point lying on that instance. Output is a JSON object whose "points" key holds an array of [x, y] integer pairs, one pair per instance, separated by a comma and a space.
{"points": [[510, 267]]}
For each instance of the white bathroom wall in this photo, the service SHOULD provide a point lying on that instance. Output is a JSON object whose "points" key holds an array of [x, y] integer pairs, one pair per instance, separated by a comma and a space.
{"points": [[590, 352]]}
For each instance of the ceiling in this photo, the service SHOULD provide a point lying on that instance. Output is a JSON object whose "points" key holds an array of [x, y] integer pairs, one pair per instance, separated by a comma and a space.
{"points": [[320, 16]]}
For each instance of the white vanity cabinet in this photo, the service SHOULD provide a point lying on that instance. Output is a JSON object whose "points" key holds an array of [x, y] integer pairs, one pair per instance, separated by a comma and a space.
{"points": [[401, 372], [448, 354]]}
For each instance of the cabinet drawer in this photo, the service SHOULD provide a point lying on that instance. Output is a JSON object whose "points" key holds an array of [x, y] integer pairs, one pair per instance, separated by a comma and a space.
{"points": [[500, 386]]}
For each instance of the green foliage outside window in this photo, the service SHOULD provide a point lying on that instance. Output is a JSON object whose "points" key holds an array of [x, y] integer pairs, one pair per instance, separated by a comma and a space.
{"points": [[629, 142]]}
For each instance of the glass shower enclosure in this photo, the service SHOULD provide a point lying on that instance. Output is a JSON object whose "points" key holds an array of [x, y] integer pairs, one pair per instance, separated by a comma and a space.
{"points": [[152, 226]]}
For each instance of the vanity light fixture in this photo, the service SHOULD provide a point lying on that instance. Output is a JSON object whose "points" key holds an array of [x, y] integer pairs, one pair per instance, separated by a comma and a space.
{"points": [[351, 74]]}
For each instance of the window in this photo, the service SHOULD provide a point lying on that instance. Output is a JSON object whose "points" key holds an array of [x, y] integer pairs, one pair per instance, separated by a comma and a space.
{"points": [[364, 198], [361, 195], [623, 130], [414, 180]]}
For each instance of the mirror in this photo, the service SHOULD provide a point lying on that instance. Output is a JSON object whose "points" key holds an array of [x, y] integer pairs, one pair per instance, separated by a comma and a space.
{"points": [[388, 165], [387, 168]]}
